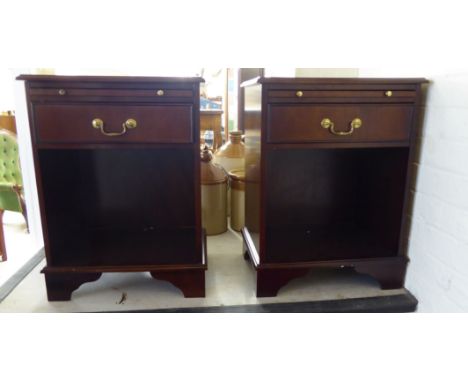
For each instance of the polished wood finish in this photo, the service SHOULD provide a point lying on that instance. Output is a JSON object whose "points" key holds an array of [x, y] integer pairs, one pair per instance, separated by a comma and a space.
{"points": [[270, 281], [128, 203], [110, 82], [301, 123], [315, 199], [73, 123], [192, 284], [338, 83], [148, 94], [338, 95], [60, 286]]}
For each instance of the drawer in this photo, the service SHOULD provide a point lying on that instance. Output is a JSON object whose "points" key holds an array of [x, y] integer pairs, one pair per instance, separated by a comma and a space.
{"points": [[388, 95], [69, 93], [74, 123], [308, 123]]}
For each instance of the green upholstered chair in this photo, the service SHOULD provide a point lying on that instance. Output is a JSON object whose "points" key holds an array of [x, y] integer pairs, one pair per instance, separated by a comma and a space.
{"points": [[11, 182]]}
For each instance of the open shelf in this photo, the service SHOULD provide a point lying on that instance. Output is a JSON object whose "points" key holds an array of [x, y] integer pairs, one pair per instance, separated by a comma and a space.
{"points": [[120, 247], [332, 204], [120, 206], [309, 243]]}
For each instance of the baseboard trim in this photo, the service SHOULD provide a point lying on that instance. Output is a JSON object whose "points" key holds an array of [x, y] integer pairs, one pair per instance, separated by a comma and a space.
{"points": [[14, 280], [399, 303]]}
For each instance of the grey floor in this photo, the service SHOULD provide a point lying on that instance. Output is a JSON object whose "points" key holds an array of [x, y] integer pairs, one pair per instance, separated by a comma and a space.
{"points": [[20, 246], [230, 280]]}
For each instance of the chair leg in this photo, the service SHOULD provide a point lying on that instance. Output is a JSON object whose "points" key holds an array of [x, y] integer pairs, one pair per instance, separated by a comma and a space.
{"points": [[25, 212], [19, 193], [3, 253]]}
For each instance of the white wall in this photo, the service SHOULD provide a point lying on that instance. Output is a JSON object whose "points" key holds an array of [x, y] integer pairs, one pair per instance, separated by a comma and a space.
{"points": [[7, 98], [283, 71], [27, 166], [438, 248], [12, 97], [327, 72]]}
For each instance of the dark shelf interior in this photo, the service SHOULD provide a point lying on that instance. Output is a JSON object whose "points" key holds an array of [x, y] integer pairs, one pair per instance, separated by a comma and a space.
{"points": [[332, 204], [120, 206]]}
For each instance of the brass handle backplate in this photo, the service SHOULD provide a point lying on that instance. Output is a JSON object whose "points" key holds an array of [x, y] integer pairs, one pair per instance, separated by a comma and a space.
{"points": [[356, 123], [327, 123], [130, 123], [98, 123]]}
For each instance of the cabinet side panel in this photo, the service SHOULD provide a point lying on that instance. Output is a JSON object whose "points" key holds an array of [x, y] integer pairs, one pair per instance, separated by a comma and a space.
{"points": [[196, 168], [252, 126], [410, 184]]}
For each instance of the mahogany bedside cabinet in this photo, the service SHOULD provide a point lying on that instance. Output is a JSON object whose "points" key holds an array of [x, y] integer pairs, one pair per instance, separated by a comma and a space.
{"points": [[328, 167], [117, 163]]}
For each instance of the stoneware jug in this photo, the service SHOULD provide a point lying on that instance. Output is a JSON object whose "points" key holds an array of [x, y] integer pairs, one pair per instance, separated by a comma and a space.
{"points": [[237, 188], [214, 185], [231, 156]]}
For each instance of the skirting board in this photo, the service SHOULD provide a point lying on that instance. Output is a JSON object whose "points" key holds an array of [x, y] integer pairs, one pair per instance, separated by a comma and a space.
{"points": [[400, 303], [14, 280]]}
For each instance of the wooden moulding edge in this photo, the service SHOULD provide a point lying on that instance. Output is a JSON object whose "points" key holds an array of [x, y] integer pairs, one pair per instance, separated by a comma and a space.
{"points": [[250, 246], [343, 263], [253, 254], [133, 268]]}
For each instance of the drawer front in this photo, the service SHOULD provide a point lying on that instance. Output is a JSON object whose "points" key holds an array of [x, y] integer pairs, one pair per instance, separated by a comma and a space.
{"points": [[74, 123], [389, 95], [326, 123], [68, 93]]}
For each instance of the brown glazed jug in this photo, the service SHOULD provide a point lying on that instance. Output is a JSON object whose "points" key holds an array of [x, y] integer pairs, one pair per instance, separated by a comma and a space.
{"points": [[231, 156]]}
